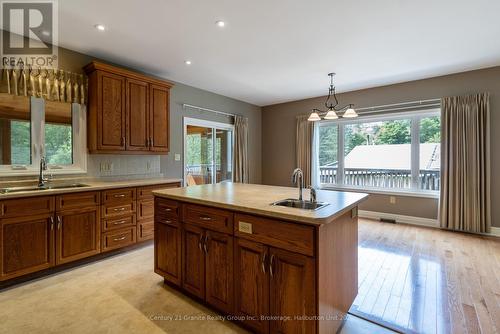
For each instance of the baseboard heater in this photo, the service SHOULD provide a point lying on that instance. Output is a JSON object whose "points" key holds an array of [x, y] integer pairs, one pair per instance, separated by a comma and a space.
{"points": [[388, 220]]}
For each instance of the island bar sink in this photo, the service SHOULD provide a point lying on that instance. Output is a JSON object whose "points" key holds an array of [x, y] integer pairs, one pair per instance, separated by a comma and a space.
{"points": [[46, 187], [298, 204]]}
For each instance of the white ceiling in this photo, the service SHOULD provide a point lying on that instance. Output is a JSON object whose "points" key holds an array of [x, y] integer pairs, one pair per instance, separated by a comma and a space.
{"points": [[274, 51]]}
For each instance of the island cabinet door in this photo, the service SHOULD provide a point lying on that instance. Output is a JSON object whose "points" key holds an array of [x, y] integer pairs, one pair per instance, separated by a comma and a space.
{"points": [[168, 250], [78, 234], [193, 260], [251, 284], [218, 249], [292, 292]]}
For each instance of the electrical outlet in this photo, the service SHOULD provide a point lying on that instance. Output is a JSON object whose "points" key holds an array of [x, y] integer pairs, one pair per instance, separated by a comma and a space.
{"points": [[392, 199], [177, 157]]}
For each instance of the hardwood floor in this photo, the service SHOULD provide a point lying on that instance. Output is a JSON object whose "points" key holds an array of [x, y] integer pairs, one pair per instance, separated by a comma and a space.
{"points": [[423, 280]]}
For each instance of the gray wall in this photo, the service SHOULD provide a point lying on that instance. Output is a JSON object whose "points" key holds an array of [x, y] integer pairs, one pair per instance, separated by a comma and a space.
{"points": [[74, 61], [278, 132]]}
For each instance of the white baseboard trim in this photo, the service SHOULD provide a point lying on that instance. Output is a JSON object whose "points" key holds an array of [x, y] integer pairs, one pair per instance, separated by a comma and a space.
{"points": [[495, 231], [399, 218]]}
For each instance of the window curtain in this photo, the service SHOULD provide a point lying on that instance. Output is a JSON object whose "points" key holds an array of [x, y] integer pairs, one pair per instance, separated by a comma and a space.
{"points": [[304, 147], [465, 166], [241, 170]]}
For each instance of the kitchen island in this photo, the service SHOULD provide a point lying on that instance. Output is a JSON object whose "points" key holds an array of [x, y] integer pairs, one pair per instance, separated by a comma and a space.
{"points": [[274, 269]]}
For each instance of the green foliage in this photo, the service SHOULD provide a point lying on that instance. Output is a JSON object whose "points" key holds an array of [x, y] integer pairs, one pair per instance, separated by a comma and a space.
{"points": [[394, 132], [430, 130], [58, 144], [20, 137], [354, 135], [328, 138]]}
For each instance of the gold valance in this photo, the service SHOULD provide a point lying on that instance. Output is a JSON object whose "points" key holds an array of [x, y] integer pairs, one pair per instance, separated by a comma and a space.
{"points": [[50, 84]]}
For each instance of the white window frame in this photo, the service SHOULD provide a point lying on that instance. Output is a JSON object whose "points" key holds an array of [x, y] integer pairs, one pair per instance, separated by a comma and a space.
{"points": [[214, 126], [79, 137], [415, 117]]}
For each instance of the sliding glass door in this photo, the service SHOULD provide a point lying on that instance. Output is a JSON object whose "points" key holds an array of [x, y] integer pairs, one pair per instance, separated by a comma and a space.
{"points": [[208, 152]]}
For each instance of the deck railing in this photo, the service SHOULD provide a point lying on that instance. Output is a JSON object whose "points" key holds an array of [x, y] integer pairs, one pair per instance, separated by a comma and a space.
{"points": [[381, 178]]}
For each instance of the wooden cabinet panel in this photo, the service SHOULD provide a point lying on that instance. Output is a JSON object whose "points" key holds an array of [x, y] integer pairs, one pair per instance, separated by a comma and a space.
{"points": [[118, 238], [137, 115], [111, 112], [145, 209], [292, 291], [299, 238], [210, 218], [26, 206], [147, 191], [27, 245], [193, 260], [145, 230], [251, 282], [218, 249], [78, 200], [118, 195], [77, 234], [166, 207], [168, 251], [116, 210], [118, 222], [159, 118]]}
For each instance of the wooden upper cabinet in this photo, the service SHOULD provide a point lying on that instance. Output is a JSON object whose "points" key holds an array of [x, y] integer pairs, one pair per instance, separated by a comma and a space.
{"points": [[137, 115], [128, 112], [159, 119]]}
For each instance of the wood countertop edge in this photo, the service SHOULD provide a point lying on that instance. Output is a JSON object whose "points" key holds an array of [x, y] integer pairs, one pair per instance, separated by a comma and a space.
{"points": [[294, 218], [92, 186]]}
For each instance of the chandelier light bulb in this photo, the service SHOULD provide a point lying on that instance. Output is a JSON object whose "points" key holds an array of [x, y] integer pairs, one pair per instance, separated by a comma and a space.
{"points": [[331, 114], [314, 117], [350, 113]]}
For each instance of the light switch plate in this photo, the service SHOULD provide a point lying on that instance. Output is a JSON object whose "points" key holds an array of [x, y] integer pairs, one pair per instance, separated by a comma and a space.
{"points": [[177, 157], [245, 227]]}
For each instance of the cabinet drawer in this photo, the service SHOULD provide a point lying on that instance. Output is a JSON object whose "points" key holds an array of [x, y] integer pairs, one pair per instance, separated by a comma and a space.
{"points": [[118, 195], [145, 230], [116, 223], [166, 207], [77, 200], [118, 209], [147, 192], [210, 218], [119, 238], [145, 209], [298, 238], [27, 206]]}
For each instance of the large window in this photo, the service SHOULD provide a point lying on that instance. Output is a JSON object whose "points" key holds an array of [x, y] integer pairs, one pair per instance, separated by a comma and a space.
{"points": [[31, 128], [397, 152]]}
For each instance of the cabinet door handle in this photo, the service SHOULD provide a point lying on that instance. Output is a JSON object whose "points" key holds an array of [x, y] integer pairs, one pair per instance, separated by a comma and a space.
{"points": [[52, 223], [200, 241], [205, 244], [59, 222], [205, 218], [119, 195], [271, 263], [120, 239], [151, 141], [263, 263], [120, 222], [123, 141]]}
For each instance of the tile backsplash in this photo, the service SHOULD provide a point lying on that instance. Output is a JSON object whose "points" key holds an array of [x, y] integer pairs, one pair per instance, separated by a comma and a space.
{"points": [[110, 166]]}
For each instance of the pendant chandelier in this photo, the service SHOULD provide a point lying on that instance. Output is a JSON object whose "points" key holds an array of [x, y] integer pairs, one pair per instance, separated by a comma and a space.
{"points": [[332, 107]]}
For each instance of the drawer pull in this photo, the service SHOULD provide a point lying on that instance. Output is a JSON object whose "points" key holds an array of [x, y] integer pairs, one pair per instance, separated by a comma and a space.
{"points": [[120, 222], [119, 195], [120, 239], [119, 209], [167, 209], [205, 218], [167, 221]]}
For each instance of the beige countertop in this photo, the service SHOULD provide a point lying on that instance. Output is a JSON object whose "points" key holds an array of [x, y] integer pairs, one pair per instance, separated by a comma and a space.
{"points": [[257, 199], [91, 185]]}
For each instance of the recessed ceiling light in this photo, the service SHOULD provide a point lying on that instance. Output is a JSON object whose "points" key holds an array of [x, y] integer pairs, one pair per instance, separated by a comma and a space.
{"points": [[220, 23], [187, 62], [100, 27]]}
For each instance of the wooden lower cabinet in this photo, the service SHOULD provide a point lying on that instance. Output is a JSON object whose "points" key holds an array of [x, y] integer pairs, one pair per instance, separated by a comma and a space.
{"points": [[78, 234], [193, 260], [168, 251], [292, 291], [27, 245], [251, 283]]}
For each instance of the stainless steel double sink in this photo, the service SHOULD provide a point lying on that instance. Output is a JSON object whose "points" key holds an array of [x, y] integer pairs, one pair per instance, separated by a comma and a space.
{"points": [[298, 204], [9, 190]]}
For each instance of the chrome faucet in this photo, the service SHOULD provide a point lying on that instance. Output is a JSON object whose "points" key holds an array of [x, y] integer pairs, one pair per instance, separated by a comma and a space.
{"points": [[313, 194], [298, 179], [41, 179]]}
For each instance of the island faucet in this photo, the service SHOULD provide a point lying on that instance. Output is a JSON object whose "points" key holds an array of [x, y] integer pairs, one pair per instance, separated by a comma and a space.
{"points": [[313, 194], [43, 166], [298, 179]]}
